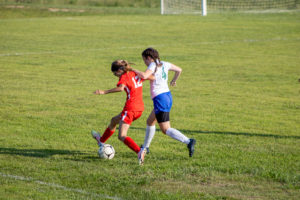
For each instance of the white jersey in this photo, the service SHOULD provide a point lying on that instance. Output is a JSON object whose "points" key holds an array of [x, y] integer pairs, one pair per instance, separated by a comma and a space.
{"points": [[160, 84]]}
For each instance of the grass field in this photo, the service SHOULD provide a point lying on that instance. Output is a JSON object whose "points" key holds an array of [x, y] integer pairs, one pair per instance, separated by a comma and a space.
{"points": [[238, 96]]}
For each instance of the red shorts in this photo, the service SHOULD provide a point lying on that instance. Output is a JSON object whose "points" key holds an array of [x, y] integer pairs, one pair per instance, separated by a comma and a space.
{"points": [[129, 116]]}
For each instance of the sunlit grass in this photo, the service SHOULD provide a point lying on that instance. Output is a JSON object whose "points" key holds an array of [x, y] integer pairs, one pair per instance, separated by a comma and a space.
{"points": [[238, 96]]}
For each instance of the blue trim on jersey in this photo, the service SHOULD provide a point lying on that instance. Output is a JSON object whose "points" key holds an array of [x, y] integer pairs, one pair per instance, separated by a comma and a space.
{"points": [[163, 102]]}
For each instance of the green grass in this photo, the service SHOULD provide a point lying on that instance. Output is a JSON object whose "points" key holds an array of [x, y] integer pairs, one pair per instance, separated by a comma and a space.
{"points": [[40, 11], [93, 3], [238, 95]]}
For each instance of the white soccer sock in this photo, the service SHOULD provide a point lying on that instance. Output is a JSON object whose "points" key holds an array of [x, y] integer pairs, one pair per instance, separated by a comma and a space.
{"points": [[150, 132], [177, 135]]}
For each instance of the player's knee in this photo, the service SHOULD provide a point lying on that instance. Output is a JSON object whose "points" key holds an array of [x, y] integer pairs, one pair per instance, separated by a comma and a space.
{"points": [[150, 122], [164, 130], [115, 120]]}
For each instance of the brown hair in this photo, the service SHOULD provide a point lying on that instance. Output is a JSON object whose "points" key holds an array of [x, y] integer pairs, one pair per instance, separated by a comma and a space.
{"points": [[152, 53], [121, 64]]}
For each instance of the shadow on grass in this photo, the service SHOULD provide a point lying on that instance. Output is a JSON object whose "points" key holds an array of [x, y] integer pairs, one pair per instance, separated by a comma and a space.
{"points": [[124, 155], [84, 158], [234, 133], [40, 153]]}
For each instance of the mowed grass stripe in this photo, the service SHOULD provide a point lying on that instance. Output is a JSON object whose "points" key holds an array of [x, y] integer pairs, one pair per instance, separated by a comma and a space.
{"points": [[154, 45]]}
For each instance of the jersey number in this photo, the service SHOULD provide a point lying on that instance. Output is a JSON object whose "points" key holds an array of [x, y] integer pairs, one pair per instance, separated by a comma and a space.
{"points": [[137, 82], [163, 74]]}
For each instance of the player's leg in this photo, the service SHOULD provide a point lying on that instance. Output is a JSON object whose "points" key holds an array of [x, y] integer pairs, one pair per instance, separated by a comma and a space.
{"points": [[150, 130], [123, 129], [111, 128], [173, 133], [126, 118], [164, 124], [108, 132]]}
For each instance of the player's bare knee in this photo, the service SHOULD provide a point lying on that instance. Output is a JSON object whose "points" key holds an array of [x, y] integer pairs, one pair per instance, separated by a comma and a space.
{"points": [[115, 120], [150, 122], [164, 130]]}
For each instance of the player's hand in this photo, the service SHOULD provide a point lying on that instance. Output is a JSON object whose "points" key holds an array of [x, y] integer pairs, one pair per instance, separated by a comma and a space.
{"points": [[173, 83], [99, 92]]}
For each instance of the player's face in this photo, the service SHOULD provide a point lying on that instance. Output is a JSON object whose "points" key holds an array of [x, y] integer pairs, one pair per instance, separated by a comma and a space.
{"points": [[118, 73], [148, 60]]}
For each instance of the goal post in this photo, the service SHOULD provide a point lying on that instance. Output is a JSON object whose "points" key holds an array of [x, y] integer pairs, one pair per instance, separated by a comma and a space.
{"points": [[183, 6], [204, 6]]}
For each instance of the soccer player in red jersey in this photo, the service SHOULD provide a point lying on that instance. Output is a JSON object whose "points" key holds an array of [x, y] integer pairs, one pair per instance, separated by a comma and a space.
{"points": [[133, 109]]}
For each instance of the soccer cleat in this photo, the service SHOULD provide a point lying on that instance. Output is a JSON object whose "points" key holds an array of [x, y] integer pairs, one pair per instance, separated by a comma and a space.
{"points": [[141, 156], [100, 150], [97, 137], [147, 149], [191, 147]]}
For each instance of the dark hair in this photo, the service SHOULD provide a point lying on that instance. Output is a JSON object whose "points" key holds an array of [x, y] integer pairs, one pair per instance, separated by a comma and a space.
{"points": [[120, 64], [152, 53]]}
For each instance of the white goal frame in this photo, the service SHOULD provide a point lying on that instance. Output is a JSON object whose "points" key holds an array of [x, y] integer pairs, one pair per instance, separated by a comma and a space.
{"points": [[203, 9], [200, 6]]}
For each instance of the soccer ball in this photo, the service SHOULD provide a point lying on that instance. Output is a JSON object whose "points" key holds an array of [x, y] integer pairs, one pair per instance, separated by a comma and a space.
{"points": [[106, 152]]}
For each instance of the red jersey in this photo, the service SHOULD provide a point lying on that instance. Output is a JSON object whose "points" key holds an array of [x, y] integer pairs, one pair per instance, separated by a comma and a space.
{"points": [[134, 90]]}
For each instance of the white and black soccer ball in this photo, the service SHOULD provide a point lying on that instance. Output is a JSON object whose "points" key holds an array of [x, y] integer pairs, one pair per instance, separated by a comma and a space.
{"points": [[106, 152]]}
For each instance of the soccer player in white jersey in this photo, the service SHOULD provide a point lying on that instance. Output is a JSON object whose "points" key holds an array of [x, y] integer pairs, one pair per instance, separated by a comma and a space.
{"points": [[162, 98]]}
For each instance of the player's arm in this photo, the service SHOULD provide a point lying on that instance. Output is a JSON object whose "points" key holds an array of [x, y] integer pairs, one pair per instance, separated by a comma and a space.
{"points": [[148, 74], [177, 71], [151, 78], [113, 90]]}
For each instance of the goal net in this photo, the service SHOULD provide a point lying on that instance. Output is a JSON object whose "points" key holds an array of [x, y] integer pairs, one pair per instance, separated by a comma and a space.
{"points": [[196, 6]]}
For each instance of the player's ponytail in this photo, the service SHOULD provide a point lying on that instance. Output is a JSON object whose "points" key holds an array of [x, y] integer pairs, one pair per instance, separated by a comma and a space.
{"points": [[152, 53], [126, 65], [121, 65]]}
